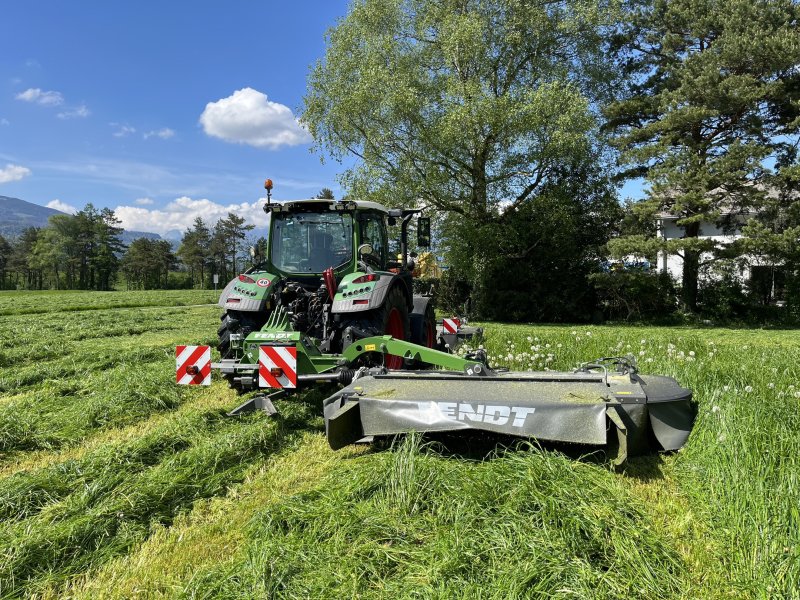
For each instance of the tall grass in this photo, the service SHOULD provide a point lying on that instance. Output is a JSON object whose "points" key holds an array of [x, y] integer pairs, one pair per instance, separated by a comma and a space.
{"points": [[413, 523], [88, 506]]}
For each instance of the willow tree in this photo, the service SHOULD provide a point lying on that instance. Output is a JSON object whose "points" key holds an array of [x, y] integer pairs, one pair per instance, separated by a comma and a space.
{"points": [[471, 107]]}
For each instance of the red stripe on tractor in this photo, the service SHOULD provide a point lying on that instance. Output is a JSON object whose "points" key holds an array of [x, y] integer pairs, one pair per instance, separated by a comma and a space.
{"points": [[289, 372], [451, 325], [190, 362]]}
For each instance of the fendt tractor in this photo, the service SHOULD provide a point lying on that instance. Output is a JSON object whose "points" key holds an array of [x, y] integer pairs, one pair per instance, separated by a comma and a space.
{"points": [[326, 302]]}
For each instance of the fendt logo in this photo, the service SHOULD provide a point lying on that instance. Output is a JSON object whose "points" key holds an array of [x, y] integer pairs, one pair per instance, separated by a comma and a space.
{"points": [[480, 413]]}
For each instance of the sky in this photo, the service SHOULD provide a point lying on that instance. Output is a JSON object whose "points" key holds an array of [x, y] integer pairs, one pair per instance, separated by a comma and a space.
{"points": [[162, 111]]}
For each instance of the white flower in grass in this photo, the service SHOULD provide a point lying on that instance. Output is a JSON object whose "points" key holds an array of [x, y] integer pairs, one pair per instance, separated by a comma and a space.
{"points": [[577, 338], [588, 334], [797, 394], [643, 342], [710, 355], [650, 360], [641, 352], [530, 339], [774, 369], [691, 352], [715, 409], [748, 389], [574, 333], [721, 438], [771, 386], [558, 345], [726, 388]]}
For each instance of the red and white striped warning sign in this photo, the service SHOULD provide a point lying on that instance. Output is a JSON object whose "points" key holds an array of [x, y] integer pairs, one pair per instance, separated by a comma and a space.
{"points": [[277, 366], [193, 365], [451, 325]]}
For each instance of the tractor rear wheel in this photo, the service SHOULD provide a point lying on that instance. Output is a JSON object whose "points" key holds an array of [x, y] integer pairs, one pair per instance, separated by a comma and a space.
{"points": [[390, 319], [396, 323]]}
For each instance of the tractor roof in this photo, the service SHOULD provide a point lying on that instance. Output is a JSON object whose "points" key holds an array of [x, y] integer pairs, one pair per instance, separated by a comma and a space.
{"points": [[323, 204]]}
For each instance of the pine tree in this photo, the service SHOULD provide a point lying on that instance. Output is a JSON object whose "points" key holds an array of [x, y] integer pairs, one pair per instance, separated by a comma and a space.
{"points": [[709, 85]]}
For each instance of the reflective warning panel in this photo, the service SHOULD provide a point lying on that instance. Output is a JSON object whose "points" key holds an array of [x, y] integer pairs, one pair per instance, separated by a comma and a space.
{"points": [[193, 365], [277, 367], [451, 325]]}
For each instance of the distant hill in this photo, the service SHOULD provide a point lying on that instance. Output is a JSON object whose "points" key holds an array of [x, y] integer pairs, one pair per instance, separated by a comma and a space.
{"points": [[16, 215]]}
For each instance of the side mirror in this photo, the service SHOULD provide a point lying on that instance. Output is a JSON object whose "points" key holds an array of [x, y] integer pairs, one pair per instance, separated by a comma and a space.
{"points": [[424, 232], [255, 252], [365, 250]]}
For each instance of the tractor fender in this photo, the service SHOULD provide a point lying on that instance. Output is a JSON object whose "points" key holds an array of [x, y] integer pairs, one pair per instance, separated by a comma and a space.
{"points": [[376, 298], [249, 297]]}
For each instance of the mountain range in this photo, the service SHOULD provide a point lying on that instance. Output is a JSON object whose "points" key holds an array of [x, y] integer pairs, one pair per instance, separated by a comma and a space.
{"points": [[16, 215]]}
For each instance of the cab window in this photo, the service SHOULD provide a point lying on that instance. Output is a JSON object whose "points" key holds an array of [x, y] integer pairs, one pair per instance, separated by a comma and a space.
{"points": [[373, 232]]}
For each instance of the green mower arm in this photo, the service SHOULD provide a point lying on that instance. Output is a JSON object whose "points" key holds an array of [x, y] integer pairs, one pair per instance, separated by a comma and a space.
{"points": [[389, 345]]}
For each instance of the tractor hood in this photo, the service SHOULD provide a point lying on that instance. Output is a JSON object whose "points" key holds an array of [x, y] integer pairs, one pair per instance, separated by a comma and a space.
{"points": [[249, 291]]}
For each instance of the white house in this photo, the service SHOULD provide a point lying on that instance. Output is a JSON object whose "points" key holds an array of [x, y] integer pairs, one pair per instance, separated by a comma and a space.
{"points": [[750, 270]]}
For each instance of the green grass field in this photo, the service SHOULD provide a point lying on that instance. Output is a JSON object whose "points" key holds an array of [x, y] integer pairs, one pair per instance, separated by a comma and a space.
{"points": [[116, 483]]}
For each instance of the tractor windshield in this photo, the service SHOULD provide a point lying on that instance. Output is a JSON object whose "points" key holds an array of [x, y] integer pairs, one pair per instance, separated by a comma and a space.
{"points": [[310, 242]]}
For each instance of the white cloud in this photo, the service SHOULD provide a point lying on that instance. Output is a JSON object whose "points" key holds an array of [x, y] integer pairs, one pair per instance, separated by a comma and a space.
{"points": [[143, 201], [164, 133], [249, 117], [13, 173], [123, 130], [79, 112], [62, 206], [38, 96], [181, 212]]}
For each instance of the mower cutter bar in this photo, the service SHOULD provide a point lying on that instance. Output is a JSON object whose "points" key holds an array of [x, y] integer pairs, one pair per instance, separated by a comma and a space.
{"points": [[623, 412]]}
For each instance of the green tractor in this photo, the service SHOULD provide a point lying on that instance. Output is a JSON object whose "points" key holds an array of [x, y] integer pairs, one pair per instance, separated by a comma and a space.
{"points": [[327, 302], [327, 272]]}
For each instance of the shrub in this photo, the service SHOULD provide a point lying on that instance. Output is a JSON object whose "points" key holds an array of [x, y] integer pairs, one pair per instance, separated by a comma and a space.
{"points": [[633, 295]]}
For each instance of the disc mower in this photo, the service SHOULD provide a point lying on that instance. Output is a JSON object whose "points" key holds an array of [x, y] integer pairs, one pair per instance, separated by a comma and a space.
{"points": [[326, 302]]}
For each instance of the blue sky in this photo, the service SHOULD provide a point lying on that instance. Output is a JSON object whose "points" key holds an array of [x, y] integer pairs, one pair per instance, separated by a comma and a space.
{"points": [[159, 110], [162, 111]]}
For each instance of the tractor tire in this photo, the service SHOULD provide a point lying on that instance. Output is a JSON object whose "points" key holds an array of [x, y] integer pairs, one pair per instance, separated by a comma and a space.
{"points": [[423, 332], [392, 318], [423, 328]]}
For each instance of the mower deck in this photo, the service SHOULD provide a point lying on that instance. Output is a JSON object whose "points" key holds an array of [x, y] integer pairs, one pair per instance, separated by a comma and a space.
{"points": [[620, 410]]}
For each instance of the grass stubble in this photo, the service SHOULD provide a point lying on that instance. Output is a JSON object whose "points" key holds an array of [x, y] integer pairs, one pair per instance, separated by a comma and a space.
{"points": [[115, 483]]}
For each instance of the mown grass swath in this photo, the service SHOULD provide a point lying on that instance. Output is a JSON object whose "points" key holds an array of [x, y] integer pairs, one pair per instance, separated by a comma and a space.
{"points": [[99, 450], [411, 523]]}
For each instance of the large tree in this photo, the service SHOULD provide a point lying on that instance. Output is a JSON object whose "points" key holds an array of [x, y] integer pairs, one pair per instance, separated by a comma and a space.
{"points": [[708, 103], [475, 108], [230, 233], [195, 250], [466, 104]]}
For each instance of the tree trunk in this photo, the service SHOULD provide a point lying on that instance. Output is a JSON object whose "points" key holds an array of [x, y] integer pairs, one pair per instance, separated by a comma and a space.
{"points": [[691, 270]]}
